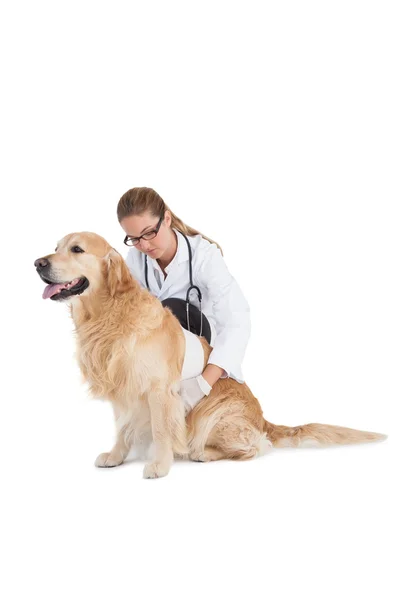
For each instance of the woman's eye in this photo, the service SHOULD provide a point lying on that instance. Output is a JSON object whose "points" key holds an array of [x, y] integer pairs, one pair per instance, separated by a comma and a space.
{"points": [[76, 249]]}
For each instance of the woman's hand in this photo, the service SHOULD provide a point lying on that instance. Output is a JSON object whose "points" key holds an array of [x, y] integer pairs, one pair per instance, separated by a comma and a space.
{"points": [[193, 390]]}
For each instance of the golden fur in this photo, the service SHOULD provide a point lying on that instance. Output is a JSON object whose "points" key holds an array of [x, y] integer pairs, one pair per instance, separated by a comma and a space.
{"points": [[131, 351]]}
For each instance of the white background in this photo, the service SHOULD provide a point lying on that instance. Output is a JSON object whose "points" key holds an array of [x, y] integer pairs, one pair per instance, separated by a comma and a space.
{"points": [[272, 127]]}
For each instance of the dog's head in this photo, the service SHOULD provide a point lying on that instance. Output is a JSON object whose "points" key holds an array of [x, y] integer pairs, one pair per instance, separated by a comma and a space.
{"points": [[82, 264]]}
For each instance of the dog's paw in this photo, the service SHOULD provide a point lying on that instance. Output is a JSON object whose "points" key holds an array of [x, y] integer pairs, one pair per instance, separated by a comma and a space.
{"points": [[199, 457], [106, 459], [155, 470]]}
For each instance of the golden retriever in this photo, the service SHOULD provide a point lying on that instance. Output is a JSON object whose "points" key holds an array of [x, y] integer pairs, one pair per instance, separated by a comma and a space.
{"points": [[131, 351]]}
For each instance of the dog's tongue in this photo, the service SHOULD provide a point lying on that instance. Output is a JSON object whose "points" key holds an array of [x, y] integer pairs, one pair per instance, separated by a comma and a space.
{"points": [[52, 289]]}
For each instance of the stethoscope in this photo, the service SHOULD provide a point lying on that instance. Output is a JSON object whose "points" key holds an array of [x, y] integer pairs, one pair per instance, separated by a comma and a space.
{"points": [[191, 287]]}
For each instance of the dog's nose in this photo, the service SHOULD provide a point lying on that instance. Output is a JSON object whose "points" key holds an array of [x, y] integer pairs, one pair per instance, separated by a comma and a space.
{"points": [[41, 263]]}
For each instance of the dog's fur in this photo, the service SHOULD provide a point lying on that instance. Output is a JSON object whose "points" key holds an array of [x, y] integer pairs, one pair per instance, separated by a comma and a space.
{"points": [[131, 351]]}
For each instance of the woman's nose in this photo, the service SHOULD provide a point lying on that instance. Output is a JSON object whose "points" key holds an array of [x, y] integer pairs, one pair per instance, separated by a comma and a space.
{"points": [[145, 245], [41, 263]]}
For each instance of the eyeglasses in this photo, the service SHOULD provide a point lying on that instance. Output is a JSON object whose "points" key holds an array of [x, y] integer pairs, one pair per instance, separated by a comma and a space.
{"points": [[149, 235]]}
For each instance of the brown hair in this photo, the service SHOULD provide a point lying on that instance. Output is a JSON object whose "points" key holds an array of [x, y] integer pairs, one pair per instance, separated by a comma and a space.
{"points": [[141, 199]]}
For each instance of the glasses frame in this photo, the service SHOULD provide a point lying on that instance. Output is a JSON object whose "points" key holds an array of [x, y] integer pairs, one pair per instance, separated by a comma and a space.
{"points": [[129, 238]]}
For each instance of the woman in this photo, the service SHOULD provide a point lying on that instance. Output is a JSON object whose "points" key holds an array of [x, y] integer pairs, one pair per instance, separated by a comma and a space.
{"points": [[162, 246]]}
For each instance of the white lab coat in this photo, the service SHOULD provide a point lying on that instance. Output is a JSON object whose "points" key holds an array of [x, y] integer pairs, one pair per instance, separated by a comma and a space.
{"points": [[223, 302]]}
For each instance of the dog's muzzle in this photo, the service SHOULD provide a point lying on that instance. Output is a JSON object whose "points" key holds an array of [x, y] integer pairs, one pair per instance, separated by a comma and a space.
{"points": [[59, 290]]}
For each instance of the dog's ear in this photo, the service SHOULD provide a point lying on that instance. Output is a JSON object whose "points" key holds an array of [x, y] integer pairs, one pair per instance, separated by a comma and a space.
{"points": [[119, 278]]}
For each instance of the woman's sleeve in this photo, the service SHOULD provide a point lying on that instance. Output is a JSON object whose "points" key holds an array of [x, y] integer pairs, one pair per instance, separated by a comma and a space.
{"points": [[136, 270], [231, 312]]}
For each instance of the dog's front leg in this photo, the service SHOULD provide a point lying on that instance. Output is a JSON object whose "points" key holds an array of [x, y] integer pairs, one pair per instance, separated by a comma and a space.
{"points": [[120, 449], [116, 456], [168, 429]]}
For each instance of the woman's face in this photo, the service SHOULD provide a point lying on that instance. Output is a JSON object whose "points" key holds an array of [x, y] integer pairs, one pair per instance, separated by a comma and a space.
{"points": [[137, 225]]}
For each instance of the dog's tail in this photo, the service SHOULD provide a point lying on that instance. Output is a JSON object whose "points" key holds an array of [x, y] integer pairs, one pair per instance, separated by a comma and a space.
{"points": [[317, 434]]}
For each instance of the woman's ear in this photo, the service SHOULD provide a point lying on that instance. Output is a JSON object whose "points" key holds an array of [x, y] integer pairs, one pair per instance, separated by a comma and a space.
{"points": [[167, 218], [118, 276]]}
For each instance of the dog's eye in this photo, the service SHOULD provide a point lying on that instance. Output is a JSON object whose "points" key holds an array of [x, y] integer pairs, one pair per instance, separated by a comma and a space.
{"points": [[76, 249]]}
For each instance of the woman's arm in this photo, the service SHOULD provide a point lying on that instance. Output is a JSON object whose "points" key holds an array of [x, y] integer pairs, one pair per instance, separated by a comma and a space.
{"points": [[232, 316], [212, 373], [133, 261]]}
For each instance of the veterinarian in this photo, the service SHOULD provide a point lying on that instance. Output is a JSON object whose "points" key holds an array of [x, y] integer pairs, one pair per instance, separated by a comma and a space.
{"points": [[168, 257]]}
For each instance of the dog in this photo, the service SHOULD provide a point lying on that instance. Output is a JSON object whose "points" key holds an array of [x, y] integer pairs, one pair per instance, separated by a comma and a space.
{"points": [[131, 349]]}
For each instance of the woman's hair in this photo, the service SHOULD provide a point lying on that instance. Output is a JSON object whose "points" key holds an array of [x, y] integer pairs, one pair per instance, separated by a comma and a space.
{"points": [[142, 199]]}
